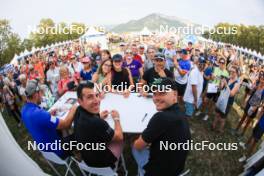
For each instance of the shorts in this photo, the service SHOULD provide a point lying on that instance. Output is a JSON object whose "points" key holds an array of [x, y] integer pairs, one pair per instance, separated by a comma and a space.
{"points": [[253, 115], [257, 133], [189, 109], [181, 89], [223, 115], [213, 96]]}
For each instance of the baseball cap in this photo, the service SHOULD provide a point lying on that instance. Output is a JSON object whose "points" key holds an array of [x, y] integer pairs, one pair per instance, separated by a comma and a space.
{"points": [[184, 51], [117, 57], [128, 51], [202, 60], [122, 44], [165, 82], [32, 87], [222, 60], [141, 46], [160, 56]]}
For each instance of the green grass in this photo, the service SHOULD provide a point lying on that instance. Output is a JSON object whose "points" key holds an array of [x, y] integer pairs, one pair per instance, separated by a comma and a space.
{"points": [[211, 163]]}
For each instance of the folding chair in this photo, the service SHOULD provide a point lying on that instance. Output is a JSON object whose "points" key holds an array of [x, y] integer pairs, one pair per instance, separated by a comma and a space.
{"points": [[103, 171], [185, 173], [50, 156]]}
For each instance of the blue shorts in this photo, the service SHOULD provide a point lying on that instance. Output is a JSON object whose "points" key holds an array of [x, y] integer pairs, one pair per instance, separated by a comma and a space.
{"points": [[189, 109]]}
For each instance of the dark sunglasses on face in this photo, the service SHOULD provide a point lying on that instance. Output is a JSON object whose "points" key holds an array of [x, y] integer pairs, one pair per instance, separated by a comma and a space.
{"points": [[159, 60], [117, 61]]}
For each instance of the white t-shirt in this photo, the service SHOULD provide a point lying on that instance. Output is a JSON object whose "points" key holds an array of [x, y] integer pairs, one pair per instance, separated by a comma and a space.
{"points": [[179, 78], [195, 78], [169, 54], [78, 66], [22, 91], [53, 76]]}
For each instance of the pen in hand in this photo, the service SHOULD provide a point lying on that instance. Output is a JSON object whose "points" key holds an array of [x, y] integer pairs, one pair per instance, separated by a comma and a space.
{"points": [[144, 117]]}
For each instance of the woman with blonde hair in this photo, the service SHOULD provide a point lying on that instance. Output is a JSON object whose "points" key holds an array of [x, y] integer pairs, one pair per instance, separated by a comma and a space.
{"points": [[66, 82]]}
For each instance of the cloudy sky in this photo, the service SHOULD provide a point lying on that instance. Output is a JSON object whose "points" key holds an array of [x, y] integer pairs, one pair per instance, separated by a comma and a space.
{"points": [[24, 13]]}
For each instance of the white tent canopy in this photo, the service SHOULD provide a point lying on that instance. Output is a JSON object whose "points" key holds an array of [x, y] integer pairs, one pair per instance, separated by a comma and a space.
{"points": [[145, 32], [92, 32], [95, 37], [14, 61]]}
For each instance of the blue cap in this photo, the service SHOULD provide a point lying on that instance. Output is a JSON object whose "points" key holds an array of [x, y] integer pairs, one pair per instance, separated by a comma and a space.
{"points": [[184, 51], [202, 60], [117, 57]]}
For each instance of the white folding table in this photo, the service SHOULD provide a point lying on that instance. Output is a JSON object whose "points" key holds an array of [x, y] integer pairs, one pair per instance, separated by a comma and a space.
{"points": [[135, 112]]}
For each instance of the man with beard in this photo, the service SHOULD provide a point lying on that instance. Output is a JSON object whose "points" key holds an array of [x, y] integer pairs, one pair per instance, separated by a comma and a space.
{"points": [[158, 71]]}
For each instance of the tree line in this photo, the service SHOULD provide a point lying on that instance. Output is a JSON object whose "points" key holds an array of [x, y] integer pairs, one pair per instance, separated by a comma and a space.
{"points": [[46, 33], [251, 37]]}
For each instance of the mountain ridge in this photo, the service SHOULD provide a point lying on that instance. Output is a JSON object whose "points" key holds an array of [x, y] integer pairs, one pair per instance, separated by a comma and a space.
{"points": [[153, 22]]}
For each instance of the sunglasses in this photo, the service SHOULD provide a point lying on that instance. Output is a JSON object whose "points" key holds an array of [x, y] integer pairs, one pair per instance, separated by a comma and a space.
{"points": [[117, 61], [159, 60], [129, 53], [222, 62]]}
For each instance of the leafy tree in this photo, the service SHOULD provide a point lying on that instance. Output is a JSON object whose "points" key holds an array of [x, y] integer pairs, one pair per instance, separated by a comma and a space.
{"points": [[251, 37], [10, 43]]}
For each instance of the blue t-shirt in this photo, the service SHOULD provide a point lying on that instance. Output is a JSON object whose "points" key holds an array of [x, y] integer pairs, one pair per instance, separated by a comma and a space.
{"points": [[41, 125], [185, 65], [208, 72], [261, 122], [87, 75]]}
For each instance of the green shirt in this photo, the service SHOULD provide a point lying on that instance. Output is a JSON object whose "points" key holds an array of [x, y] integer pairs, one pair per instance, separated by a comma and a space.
{"points": [[218, 73]]}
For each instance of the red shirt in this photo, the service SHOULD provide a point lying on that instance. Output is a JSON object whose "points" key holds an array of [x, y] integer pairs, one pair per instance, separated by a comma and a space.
{"points": [[138, 58]]}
